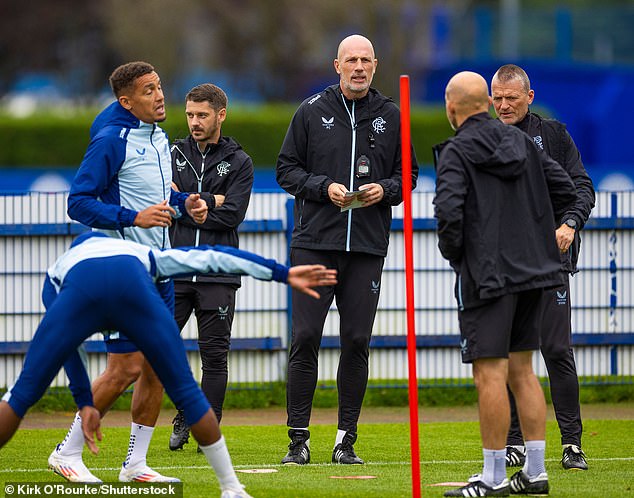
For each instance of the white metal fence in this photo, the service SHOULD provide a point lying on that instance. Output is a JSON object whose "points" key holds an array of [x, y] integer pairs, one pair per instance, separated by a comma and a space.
{"points": [[34, 230]]}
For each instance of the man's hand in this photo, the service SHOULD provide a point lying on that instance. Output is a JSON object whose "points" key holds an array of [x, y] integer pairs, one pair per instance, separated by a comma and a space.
{"points": [[372, 193], [157, 215], [90, 426], [196, 208], [304, 277], [337, 194], [220, 199], [564, 235]]}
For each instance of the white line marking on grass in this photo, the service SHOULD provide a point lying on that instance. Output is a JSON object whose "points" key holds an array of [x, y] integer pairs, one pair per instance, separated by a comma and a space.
{"points": [[310, 465]]}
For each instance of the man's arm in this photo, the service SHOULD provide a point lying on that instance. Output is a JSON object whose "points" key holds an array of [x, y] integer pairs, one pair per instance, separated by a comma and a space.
{"points": [[93, 186], [231, 212], [392, 186], [580, 210], [451, 191], [79, 382], [223, 259], [561, 189], [291, 171]]}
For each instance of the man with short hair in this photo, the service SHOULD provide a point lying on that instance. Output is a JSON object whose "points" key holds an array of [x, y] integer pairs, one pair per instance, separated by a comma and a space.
{"points": [[512, 94], [103, 283], [124, 188], [343, 145], [216, 167], [496, 228]]}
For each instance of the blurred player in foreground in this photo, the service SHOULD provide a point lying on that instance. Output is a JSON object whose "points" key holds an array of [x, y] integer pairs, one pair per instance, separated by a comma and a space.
{"points": [[108, 284]]}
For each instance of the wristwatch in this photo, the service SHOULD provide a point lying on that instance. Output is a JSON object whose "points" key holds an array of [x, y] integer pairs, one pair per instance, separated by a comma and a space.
{"points": [[571, 223]]}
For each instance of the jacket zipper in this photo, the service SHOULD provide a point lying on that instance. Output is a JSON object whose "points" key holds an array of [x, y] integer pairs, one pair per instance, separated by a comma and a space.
{"points": [[158, 156], [200, 189], [353, 126], [460, 302]]}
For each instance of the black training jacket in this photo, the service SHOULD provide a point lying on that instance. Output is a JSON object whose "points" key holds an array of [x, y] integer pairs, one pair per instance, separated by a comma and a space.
{"points": [[326, 137], [551, 136], [224, 168], [496, 226]]}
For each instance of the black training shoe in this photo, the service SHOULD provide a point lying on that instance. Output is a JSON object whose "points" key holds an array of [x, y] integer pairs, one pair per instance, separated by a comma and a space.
{"points": [[298, 451], [573, 458], [515, 457], [344, 452], [521, 484], [478, 488], [180, 433]]}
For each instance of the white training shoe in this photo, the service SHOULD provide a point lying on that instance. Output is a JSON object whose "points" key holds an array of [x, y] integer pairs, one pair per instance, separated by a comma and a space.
{"points": [[71, 469], [235, 493], [143, 474]]}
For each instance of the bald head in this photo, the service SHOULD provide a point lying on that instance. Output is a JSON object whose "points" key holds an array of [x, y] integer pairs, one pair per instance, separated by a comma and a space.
{"points": [[355, 64], [354, 42], [467, 93]]}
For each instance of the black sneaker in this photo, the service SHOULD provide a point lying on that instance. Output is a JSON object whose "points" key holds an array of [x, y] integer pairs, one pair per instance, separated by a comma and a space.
{"points": [[573, 458], [478, 488], [515, 457], [298, 451], [521, 484], [180, 433], [344, 452]]}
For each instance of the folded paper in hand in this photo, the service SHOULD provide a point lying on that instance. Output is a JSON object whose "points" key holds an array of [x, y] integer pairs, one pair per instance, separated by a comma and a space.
{"points": [[356, 203]]}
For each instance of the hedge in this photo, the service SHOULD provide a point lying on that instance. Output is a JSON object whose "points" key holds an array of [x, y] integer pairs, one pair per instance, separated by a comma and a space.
{"points": [[58, 141]]}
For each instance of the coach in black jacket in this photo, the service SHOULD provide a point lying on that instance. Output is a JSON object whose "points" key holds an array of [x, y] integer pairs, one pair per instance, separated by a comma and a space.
{"points": [[344, 139], [494, 191], [512, 94], [215, 166]]}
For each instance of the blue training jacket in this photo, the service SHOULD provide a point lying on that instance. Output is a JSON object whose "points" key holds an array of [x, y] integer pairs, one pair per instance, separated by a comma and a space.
{"points": [[127, 168]]}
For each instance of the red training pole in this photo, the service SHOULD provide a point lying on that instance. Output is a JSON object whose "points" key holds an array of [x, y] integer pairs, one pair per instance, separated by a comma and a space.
{"points": [[408, 235]]}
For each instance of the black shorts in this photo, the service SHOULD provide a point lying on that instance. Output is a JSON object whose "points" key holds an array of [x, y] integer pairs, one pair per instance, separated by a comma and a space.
{"points": [[509, 323]]}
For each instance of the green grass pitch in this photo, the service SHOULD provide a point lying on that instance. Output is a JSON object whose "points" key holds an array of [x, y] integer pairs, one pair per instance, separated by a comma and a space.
{"points": [[449, 452]]}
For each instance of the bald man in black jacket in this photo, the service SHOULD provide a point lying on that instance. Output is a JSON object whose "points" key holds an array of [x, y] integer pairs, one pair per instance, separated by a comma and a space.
{"points": [[495, 196]]}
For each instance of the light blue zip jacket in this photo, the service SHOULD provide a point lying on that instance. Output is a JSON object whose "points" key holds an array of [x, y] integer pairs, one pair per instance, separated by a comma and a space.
{"points": [[127, 168]]}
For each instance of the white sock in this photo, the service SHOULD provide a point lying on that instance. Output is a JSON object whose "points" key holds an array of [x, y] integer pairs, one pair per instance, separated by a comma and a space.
{"points": [[534, 458], [73, 443], [218, 457], [140, 437], [339, 438], [494, 470]]}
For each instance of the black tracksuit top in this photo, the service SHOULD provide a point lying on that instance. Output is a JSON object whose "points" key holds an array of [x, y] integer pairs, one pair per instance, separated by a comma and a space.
{"points": [[327, 136], [495, 195], [224, 168]]}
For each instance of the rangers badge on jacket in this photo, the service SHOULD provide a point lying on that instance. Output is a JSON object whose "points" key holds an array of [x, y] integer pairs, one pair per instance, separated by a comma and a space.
{"points": [[223, 168]]}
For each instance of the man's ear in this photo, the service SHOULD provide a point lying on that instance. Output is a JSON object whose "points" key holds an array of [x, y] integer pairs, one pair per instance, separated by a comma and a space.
{"points": [[222, 114], [125, 102], [336, 64]]}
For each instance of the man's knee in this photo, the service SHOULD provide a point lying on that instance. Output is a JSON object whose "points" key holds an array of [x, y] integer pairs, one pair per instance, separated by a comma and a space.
{"points": [[555, 352]]}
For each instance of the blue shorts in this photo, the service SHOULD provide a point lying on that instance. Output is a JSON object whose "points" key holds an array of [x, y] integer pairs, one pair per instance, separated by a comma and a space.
{"points": [[116, 342]]}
